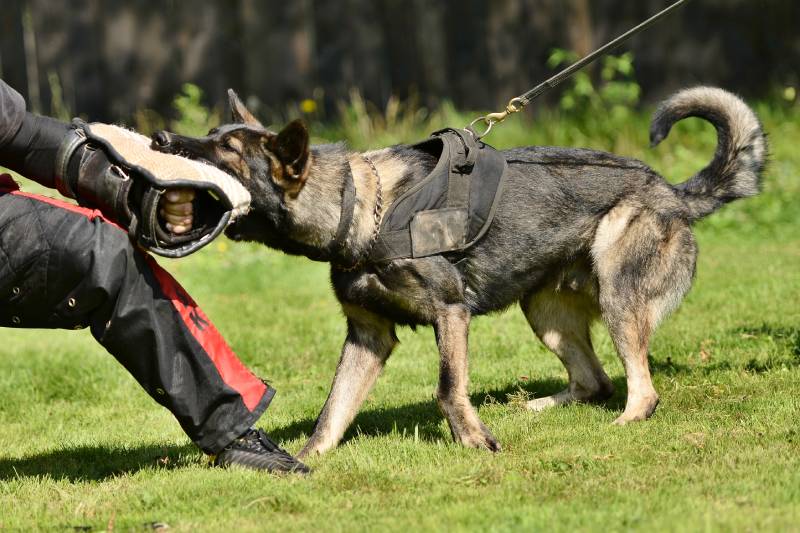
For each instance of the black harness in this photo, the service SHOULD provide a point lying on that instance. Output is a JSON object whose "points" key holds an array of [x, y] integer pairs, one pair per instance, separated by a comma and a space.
{"points": [[448, 211]]}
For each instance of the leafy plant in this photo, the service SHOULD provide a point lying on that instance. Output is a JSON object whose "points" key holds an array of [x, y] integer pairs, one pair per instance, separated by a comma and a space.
{"points": [[58, 107], [605, 103], [194, 118]]}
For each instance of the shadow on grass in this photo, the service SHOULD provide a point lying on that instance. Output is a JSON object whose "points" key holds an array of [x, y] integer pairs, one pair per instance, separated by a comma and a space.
{"points": [[96, 463], [787, 339], [425, 419]]}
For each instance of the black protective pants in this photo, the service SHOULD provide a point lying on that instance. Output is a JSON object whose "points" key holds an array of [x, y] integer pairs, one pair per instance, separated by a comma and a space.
{"points": [[63, 266]]}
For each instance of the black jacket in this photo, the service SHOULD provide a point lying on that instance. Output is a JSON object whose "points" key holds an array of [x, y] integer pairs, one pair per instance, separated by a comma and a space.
{"points": [[28, 142], [12, 111]]}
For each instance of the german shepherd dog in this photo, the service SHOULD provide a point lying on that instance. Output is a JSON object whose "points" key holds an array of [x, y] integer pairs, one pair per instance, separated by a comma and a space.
{"points": [[577, 235]]}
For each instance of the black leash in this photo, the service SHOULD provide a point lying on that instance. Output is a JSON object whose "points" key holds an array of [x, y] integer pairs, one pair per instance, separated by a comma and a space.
{"points": [[517, 103]]}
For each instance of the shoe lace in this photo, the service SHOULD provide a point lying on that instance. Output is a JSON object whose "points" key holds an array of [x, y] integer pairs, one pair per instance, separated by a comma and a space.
{"points": [[268, 443], [258, 440]]}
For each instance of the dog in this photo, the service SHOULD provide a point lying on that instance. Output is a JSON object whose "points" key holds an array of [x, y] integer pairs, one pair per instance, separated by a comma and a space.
{"points": [[577, 235]]}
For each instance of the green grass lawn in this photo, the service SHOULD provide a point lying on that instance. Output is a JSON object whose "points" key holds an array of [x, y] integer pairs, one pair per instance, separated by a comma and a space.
{"points": [[83, 448]]}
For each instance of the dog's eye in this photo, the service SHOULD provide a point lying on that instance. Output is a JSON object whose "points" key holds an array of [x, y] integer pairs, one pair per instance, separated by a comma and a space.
{"points": [[228, 145]]}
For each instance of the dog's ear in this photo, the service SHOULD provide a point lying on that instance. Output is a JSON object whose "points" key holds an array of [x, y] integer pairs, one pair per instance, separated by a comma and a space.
{"points": [[239, 112], [291, 148]]}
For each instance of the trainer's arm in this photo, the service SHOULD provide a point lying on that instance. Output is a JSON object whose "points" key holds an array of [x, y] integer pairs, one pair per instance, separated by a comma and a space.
{"points": [[12, 110], [29, 144]]}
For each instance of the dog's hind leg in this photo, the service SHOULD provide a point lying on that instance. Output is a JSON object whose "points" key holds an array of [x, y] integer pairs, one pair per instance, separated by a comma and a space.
{"points": [[560, 317], [644, 261], [370, 340], [452, 331], [631, 335]]}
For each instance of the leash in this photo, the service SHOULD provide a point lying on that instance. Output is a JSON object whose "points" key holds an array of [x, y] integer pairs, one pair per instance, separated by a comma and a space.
{"points": [[517, 103]]}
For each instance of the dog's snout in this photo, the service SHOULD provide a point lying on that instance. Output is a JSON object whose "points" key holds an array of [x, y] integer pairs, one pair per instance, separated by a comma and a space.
{"points": [[161, 139]]}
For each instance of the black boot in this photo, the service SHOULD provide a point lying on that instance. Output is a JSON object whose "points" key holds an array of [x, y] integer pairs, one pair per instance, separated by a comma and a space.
{"points": [[256, 450]]}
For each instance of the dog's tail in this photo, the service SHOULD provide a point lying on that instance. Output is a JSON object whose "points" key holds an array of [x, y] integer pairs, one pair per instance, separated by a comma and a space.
{"points": [[741, 153]]}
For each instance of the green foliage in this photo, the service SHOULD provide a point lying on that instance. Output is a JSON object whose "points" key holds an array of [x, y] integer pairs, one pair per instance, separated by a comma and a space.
{"points": [[600, 106], [603, 114], [193, 117], [365, 125], [58, 108]]}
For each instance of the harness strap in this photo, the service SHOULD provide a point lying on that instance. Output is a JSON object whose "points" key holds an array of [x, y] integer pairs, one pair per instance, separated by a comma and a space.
{"points": [[337, 247], [392, 245], [463, 155], [336, 250]]}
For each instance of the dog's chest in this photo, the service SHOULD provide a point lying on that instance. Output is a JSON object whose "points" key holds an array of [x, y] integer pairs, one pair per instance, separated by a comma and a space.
{"points": [[407, 292]]}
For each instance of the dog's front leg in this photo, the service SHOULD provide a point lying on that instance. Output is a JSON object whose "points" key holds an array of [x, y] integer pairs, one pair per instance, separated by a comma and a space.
{"points": [[370, 340], [452, 330]]}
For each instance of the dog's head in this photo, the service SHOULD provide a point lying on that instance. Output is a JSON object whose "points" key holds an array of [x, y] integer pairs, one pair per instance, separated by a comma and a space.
{"points": [[272, 166]]}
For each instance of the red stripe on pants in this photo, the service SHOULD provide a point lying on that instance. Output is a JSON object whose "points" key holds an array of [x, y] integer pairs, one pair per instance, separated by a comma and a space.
{"points": [[230, 368], [8, 185]]}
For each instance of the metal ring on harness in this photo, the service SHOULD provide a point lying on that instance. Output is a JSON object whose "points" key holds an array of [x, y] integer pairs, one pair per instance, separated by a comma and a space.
{"points": [[486, 120]]}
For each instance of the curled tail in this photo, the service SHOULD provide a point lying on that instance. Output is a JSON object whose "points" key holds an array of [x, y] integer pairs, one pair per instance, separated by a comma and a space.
{"points": [[735, 172]]}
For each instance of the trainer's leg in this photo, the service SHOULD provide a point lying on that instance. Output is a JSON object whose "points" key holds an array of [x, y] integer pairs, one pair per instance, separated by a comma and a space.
{"points": [[65, 267]]}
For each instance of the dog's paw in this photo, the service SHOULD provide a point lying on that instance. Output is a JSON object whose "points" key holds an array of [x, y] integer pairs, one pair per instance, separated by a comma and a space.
{"points": [[313, 448], [480, 438], [638, 410], [540, 404], [627, 419], [492, 444]]}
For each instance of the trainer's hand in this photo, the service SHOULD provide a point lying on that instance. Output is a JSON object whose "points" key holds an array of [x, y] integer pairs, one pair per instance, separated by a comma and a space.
{"points": [[176, 210]]}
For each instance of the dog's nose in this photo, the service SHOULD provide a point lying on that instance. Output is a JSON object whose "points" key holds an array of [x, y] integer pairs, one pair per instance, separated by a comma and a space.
{"points": [[161, 139]]}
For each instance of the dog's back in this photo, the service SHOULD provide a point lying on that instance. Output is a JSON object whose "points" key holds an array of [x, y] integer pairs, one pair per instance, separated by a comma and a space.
{"points": [[556, 199]]}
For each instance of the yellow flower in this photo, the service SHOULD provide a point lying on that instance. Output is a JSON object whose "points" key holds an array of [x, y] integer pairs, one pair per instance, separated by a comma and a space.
{"points": [[308, 106]]}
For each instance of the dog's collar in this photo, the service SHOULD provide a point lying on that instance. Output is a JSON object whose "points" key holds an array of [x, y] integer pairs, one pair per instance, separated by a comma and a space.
{"points": [[339, 258], [337, 247]]}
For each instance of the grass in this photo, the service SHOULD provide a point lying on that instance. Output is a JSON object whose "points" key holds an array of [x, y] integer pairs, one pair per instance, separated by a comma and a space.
{"points": [[83, 448]]}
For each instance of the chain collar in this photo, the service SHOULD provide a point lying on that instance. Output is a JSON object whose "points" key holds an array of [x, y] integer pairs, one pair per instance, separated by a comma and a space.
{"points": [[376, 215]]}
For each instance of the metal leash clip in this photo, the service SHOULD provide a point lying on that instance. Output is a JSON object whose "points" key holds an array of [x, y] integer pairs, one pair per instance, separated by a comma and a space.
{"points": [[514, 105]]}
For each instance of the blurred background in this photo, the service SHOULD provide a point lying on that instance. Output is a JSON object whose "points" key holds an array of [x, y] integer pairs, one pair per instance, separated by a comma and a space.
{"points": [[128, 60]]}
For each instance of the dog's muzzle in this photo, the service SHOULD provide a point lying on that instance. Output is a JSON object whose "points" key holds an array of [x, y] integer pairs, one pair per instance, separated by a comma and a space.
{"points": [[162, 140]]}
